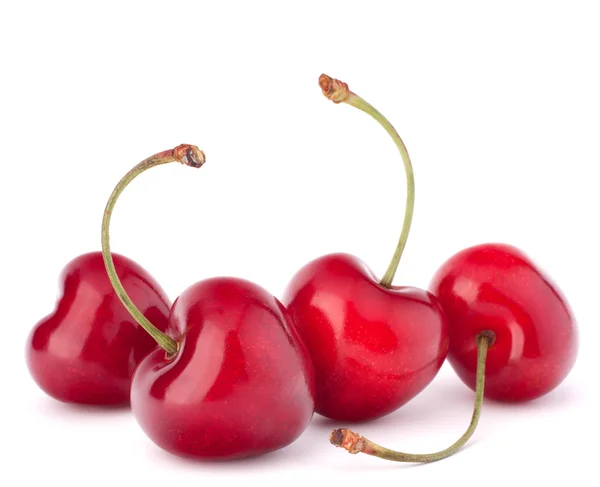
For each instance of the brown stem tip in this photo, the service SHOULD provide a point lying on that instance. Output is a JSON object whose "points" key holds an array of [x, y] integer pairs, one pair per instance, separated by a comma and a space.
{"points": [[189, 155], [345, 438], [334, 89]]}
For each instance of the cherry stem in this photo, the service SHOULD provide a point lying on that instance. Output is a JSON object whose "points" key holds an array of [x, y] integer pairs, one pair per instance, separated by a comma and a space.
{"points": [[186, 154], [356, 443], [338, 92]]}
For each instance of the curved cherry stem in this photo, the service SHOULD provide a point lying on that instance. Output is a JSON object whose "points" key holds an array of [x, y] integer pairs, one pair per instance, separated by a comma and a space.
{"points": [[186, 154], [356, 443], [338, 92]]}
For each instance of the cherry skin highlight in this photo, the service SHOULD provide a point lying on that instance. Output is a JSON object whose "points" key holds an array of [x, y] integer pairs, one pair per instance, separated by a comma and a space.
{"points": [[496, 287], [87, 349], [241, 383], [373, 348]]}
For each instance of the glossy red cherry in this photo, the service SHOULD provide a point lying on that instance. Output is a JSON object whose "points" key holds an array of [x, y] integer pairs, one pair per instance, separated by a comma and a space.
{"points": [[87, 349], [374, 346], [497, 287], [241, 383], [238, 380]]}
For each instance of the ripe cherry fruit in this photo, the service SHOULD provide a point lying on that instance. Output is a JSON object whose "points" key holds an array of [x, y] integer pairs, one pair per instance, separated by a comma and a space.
{"points": [[236, 380], [496, 289], [87, 349], [374, 346]]}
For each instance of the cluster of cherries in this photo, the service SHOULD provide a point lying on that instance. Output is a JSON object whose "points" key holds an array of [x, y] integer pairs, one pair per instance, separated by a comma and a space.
{"points": [[237, 373]]}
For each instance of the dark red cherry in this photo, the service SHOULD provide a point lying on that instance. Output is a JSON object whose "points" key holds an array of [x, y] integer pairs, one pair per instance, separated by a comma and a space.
{"points": [[87, 349], [497, 287], [237, 381], [241, 383], [373, 348]]}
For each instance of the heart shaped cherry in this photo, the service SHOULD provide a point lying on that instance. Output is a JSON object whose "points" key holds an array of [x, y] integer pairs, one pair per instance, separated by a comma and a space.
{"points": [[241, 382], [237, 381], [87, 349], [374, 346], [497, 289]]}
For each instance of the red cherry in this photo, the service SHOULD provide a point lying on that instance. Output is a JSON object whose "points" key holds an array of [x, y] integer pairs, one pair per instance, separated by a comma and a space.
{"points": [[239, 381], [87, 349], [374, 346], [496, 287]]}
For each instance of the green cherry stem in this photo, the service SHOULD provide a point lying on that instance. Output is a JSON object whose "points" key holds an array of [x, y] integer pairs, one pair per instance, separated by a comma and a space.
{"points": [[356, 443], [338, 92], [186, 154]]}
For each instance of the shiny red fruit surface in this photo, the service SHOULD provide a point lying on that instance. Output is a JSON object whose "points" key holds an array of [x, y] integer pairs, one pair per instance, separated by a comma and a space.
{"points": [[497, 287], [241, 383], [373, 348], [87, 349]]}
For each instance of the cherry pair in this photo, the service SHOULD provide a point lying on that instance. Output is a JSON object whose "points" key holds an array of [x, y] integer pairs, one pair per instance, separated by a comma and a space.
{"points": [[230, 351], [506, 327], [230, 379]]}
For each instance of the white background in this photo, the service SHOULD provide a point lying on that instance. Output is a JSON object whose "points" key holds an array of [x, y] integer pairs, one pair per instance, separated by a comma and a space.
{"points": [[498, 103]]}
